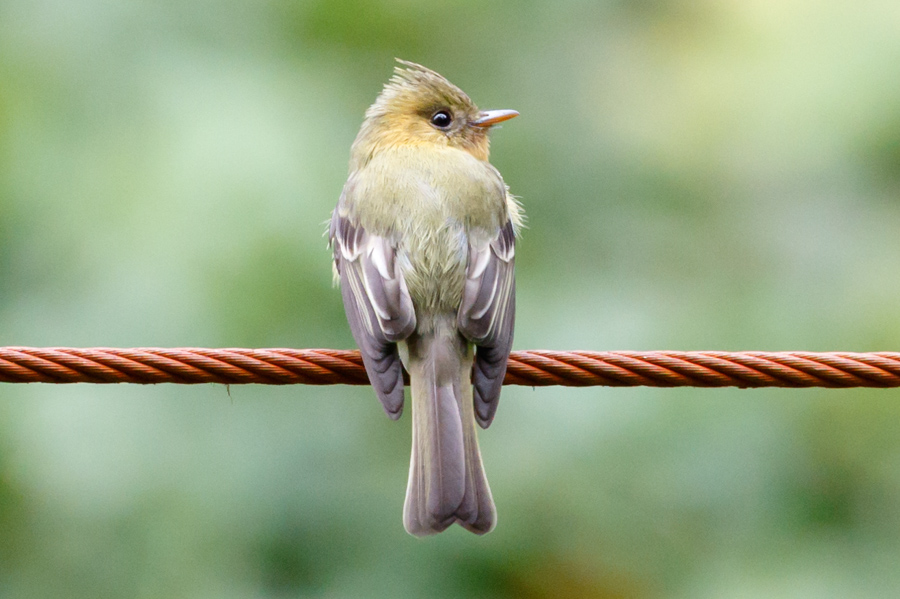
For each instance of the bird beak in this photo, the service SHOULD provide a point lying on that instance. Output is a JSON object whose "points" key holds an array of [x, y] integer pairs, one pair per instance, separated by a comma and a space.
{"points": [[492, 117]]}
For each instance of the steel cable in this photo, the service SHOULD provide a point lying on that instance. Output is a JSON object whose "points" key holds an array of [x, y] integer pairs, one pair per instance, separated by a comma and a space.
{"points": [[536, 368]]}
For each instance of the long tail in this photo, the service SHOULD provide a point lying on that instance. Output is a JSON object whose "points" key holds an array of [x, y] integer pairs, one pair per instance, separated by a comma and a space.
{"points": [[446, 477]]}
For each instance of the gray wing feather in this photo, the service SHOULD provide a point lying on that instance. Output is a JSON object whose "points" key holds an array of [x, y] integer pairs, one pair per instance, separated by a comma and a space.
{"points": [[487, 317], [377, 303]]}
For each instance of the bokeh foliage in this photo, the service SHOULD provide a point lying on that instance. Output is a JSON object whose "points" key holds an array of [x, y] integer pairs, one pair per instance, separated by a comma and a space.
{"points": [[698, 174]]}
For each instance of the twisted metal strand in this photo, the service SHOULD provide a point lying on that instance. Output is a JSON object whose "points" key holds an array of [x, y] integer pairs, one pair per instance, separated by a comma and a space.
{"points": [[535, 368]]}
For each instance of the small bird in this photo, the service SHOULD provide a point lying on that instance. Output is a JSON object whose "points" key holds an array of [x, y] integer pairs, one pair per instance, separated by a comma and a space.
{"points": [[424, 248]]}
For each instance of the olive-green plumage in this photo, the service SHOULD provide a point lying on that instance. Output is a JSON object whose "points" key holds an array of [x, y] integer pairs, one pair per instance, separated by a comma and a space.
{"points": [[423, 238]]}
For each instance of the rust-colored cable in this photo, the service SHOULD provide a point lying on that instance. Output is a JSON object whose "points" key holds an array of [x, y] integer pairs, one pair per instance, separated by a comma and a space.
{"points": [[531, 368]]}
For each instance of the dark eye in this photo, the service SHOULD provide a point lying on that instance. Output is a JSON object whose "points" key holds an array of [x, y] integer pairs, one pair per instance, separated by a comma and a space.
{"points": [[441, 119]]}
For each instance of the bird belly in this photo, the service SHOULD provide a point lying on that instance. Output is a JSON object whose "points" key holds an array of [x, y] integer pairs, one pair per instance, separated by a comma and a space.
{"points": [[434, 264]]}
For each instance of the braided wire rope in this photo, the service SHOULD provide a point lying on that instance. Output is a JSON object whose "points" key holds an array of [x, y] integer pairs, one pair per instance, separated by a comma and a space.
{"points": [[536, 368]]}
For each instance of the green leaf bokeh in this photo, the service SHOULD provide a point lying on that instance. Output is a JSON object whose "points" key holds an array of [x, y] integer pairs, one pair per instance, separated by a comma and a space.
{"points": [[697, 175]]}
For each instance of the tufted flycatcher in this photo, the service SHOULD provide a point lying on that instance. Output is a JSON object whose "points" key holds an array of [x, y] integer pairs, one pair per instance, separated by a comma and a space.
{"points": [[424, 241]]}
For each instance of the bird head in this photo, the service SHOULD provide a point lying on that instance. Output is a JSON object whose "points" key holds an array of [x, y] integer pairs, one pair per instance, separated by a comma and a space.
{"points": [[419, 107]]}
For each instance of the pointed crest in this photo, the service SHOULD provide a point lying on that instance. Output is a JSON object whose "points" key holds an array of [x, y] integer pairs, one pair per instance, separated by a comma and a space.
{"points": [[412, 84]]}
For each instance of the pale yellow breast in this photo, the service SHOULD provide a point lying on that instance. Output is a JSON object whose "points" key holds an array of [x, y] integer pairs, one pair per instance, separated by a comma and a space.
{"points": [[429, 201]]}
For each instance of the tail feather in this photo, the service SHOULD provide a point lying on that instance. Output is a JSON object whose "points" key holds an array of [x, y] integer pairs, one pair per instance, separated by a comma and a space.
{"points": [[447, 483]]}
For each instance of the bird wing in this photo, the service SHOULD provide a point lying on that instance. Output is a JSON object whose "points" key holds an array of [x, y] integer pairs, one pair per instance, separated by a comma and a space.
{"points": [[487, 315], [377, 303]]}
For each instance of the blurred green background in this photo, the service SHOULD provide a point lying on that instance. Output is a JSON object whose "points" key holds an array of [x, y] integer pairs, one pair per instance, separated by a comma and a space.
{"points": [[698, 174]]}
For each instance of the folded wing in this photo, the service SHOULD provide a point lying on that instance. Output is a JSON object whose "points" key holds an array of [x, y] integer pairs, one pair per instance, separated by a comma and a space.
{"points": [[377, 303], [487, 316]]}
